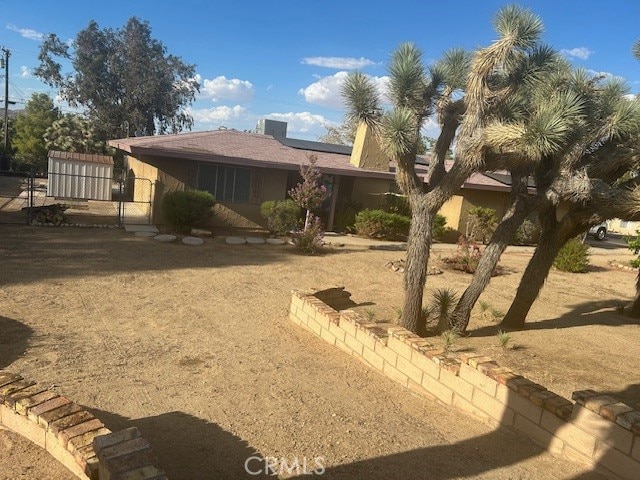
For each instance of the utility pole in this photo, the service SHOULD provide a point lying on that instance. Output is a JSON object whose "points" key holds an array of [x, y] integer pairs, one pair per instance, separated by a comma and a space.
{"points": [[5, 61]]}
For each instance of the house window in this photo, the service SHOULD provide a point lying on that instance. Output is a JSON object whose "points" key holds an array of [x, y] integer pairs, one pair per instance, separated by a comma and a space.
{"points": [[226, 184]]}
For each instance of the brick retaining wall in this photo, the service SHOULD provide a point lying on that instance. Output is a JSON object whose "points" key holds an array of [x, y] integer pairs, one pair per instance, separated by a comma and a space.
{"points": [[73, 436], [594, 429]]}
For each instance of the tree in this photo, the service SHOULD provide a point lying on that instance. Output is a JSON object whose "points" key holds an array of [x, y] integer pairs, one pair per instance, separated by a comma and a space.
{"points": [[30, 126], [488, 79], [343, 134], [124, 79], [310, 193], [634, 246], [73, 133]]}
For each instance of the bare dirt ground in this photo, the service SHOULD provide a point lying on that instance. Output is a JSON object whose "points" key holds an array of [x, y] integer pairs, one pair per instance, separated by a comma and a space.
{"points": [[193, 346]]}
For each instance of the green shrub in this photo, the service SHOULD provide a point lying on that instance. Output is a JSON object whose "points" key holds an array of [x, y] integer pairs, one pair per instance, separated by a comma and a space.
{"points": [[439, 229], [481, 223], [382, 225], [396, 203], [310, 240], [185, 209], [282, 216], [573, 257]]}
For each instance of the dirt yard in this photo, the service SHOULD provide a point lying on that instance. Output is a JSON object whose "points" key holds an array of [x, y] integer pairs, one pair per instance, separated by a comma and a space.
{"points": [[193, 346]]}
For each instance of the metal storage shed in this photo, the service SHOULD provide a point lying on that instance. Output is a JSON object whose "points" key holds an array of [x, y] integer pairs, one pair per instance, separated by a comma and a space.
{"points": [[80, 175]]}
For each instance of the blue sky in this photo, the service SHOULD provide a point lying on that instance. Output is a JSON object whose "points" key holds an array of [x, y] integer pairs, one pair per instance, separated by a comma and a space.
{"points": [[285, 60]]}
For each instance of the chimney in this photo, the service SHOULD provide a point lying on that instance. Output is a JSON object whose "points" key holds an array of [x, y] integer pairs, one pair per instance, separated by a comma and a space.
{"points": [[272, 127], [366, 152]]}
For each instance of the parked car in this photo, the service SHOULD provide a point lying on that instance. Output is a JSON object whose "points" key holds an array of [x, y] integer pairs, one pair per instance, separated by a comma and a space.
{"points": [[599, 232]]}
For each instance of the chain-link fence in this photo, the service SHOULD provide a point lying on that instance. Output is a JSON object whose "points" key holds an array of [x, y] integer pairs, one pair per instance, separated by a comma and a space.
{"points": [[75, 199]]}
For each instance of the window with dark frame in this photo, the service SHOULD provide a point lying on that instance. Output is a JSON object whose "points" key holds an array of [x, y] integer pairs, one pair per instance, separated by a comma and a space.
{"points": [[225, 183]]}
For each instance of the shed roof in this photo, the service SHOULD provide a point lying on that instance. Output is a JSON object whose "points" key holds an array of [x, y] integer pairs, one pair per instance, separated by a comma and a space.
{"points": [[81, 157]]}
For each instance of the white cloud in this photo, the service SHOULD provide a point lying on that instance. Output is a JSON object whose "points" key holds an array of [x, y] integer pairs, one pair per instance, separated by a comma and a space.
{"points": [[595, 73], [430, 128], [327, 91], [582, 53], [341, 63], [217, 114], [26, 32], [25, 72], [301, 122], [226, 88]]}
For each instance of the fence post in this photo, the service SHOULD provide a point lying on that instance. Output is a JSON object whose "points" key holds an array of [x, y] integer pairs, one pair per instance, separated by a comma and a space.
{"points": [[30, 185], [120, 212]]}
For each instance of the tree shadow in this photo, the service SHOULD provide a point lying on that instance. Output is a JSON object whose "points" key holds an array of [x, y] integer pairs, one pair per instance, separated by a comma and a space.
{"points": [[14, 340], [189, 447], [596, 312]]}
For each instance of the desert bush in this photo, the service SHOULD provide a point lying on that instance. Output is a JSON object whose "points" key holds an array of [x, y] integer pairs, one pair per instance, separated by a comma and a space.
{"points": [[443, 302], [481, 222], [503, 339], [282, 216], [382, 225], [396, 203], [467, 257], [573, 257], [310, 240], [527, 234], [345, 217], [185, 209]]}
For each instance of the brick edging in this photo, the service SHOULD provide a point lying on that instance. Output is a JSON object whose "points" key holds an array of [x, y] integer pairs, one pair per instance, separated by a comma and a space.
{"points": [[70, 434], [596, 430]]}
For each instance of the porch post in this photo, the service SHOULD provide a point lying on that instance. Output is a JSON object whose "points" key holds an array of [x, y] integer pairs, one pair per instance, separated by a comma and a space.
{"points": [[334, 199]]}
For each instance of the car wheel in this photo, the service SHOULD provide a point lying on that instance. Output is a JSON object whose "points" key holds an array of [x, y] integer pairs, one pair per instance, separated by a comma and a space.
{"points": [[601, 233]]}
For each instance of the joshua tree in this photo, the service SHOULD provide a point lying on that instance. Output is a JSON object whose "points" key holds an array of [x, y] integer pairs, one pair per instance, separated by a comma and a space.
{"points": [[488, 81]]}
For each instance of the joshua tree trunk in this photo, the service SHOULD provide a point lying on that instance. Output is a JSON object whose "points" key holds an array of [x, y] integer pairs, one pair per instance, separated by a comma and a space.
{"points": [[499, 240], [554, 235], [415, 274], [635, 307]]}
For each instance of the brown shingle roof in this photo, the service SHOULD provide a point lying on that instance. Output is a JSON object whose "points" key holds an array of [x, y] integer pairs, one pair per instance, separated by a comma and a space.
{"points": [[257, 150], [81, 157]]}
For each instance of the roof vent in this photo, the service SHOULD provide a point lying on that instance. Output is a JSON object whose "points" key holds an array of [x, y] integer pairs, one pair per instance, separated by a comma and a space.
{"points": [[272, 127]]}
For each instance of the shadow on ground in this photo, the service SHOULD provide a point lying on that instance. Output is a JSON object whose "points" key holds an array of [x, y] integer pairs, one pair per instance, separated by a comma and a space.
{"points": [[14, 340], [597, 312]]}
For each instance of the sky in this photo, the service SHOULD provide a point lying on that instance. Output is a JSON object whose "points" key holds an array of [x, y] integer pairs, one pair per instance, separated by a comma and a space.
{"points": [[286, 60]]}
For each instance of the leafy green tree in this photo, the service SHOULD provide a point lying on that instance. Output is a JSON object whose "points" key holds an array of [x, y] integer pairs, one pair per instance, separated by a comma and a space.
{"points": [[30, 126], [124, 78], [343, 134], [73, 133]]}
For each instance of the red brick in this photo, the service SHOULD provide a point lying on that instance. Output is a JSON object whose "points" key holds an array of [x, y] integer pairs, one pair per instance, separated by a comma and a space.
{"points": [[581, 396], [14, 387], [11, 399], [52, 415], [611, 412], [596, 403], [515, 383], [627, 420], [114, 438], [539, 397], [8, 377], [526, 390], [495, 373], [47, 406], [486, 367], [475, 361], [85, 439], [79, 429], [128, 462], [466, 357], [24, 404], [69, 421], [556, 404]]}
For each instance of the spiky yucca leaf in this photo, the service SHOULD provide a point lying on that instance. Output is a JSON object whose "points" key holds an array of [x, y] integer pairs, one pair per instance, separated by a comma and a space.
{"points": [[519, 25], [454, 66], [407, 79], [362, 98], [636, 49], [625, 119], [399, 132]]}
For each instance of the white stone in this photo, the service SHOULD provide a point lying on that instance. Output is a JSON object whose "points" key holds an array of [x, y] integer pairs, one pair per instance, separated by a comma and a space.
{"points": [[276, 241], [235, 240], [192, 241], [199, 232], [165, 238], [255, 240]]}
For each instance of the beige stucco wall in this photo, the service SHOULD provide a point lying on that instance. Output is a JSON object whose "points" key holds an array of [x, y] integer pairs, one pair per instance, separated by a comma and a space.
{"points": [[499, 201], [369, 191], [451, 211], [630, 228]]}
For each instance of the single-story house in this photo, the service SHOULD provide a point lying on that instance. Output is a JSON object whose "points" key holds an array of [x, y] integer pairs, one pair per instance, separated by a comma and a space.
{"points": [[242, 170]]}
